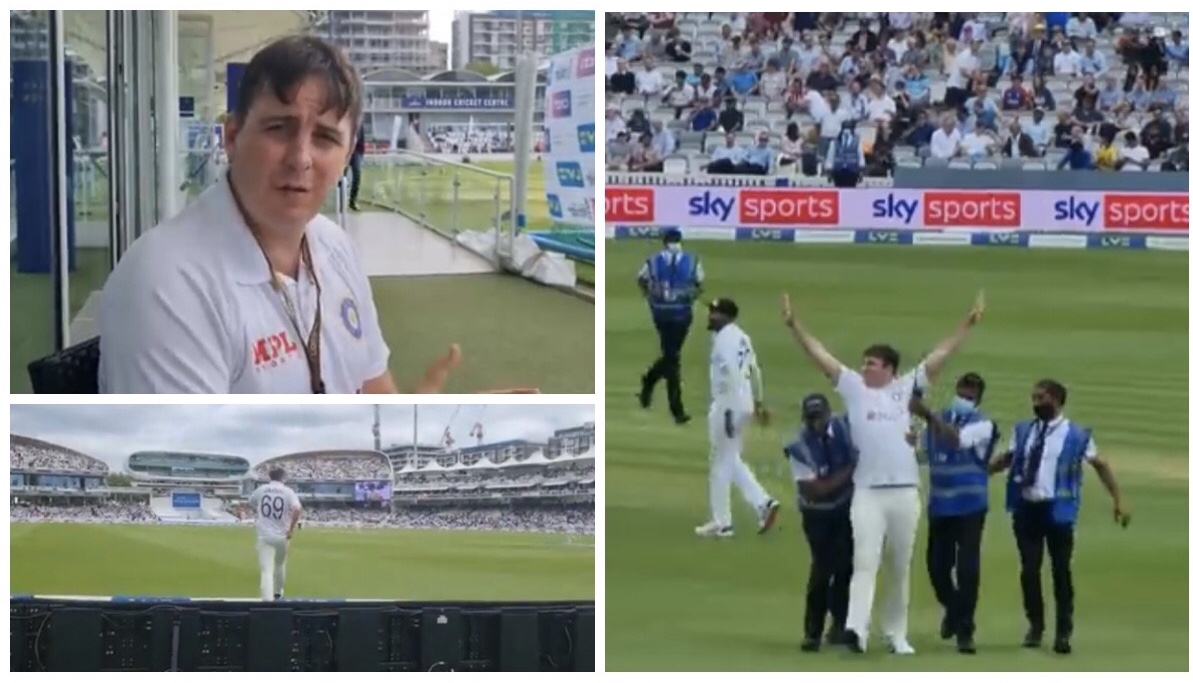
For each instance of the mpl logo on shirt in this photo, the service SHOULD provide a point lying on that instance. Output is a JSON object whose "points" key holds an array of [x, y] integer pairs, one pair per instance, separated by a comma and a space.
{"points": [[561, 104], [569, 173], [273, 350], [586, 133], [586, 63]]}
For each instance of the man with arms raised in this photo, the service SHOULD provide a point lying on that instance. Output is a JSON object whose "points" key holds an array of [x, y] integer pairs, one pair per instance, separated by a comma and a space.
{"points": [[277, 510], [886, 504]]}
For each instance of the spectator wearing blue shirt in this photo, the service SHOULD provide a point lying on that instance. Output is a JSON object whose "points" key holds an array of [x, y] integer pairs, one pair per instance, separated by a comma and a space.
{"points": [[630, 47], [1092, 61], [1077, 157], [695, 76], [724, 159], [760, 158], [921, 134], [1112, 100], [1177, 51], [1139, 98], [918, 86], [704, 118], [1162, 96]]}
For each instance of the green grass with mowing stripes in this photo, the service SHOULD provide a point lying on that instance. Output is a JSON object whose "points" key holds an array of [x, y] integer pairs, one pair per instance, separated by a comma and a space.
{"points": [[90, 559], [1112, 325]]}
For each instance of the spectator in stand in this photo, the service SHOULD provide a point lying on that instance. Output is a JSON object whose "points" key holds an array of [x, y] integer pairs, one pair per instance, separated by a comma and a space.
{"points": [[622, 81], [773, 83], [1077, 157], [898, 45], [920, 136], [677, 49], [852, 64], [645, 156], [654, 48], [649, 80], [1157, 135], [1105, 157], [786, 57], [629, 45], [614, 124], [731, 120], [918, 86], [1092, 62], [811, 56], [830, 122], [725, 158], [1112, 101], [1041, 96], [946, 141], [1085, 112], [855, 101], [791, 146], [1177, 51], [1177, 159], [916, 54], [864, 38], [1162, 98], [1140, 99], [638, 123], [880, 106], [982, 110], [1016, 97], [1066, 63], [760, 158], [1081, 27], [822, 78], [618, 151], [881, 161], [679, 95], [846, 159], [704, 118], [796, 98], [610, 62], [1038, 130], [1018, 145], [1062, 131], [663, 140], [965, 67], [979, 143]]}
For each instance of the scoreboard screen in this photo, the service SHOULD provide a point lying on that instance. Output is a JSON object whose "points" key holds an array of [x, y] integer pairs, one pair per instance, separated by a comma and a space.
{"points": [[191, 500], [374, 491]]}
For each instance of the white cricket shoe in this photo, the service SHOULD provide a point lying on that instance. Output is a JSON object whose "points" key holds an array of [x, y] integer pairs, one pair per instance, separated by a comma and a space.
{"points": [[714, 530], [767, 515], [900, 646]]}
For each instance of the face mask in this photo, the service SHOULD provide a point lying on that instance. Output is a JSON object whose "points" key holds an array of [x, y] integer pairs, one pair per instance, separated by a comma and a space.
{"points": [[962, 405], [1044, 411], [672, 247]]}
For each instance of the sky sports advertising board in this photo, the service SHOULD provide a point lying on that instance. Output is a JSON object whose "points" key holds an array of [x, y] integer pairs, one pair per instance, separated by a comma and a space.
{"points": [[733, 209], [570, 135]]}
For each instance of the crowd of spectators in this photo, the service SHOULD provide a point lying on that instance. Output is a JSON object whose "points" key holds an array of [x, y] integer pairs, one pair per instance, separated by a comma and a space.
{"points": [[564, 519], [108, 512], [701, 92], [328, 467], [27, 454]]}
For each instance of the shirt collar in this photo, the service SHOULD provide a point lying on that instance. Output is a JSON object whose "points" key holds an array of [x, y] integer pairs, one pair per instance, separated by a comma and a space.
{"points": [[242, 255]]}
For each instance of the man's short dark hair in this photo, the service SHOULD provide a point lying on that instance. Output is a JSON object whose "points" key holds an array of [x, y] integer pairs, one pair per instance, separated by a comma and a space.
{"points": [[1054, 390], [884, 353], [972, 380], [286, 63], [277, 474]]}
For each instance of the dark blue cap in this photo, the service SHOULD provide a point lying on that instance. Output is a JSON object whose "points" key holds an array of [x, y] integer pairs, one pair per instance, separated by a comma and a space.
{"points": [[672, 236]]}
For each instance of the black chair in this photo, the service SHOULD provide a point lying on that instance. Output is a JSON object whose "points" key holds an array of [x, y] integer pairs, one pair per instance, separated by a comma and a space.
{"points": [[74, 370]]}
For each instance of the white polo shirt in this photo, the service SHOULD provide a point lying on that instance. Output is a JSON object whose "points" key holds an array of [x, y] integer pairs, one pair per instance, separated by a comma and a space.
{"points": [[1055, 434], [272, 505], [730, 367], [879, 422], [191, 309]]}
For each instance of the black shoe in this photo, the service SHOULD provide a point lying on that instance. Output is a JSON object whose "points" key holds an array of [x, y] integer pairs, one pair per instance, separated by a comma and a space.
{"points": [[836, 637], [1062, 646], [644, 394], [277, 596], [810, 644], [354, 207], [853, 642], [965, 645], [1033, 638], [682, 419], [947, 632]]}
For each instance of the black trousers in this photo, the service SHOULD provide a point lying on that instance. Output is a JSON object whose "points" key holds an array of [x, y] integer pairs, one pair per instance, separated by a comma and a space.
{"points": [[955, 547], [1034, 532], [830, 538], [354, 190], [672, 334], [846, 178]]}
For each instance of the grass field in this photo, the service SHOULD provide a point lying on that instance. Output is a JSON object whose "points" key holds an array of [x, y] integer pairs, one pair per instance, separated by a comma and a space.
{"points": [[79, 559], [1112, 325]]}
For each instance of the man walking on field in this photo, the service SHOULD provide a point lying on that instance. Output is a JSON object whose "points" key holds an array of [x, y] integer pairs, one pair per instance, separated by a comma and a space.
{"points": [[277, 510], [886, 504]]}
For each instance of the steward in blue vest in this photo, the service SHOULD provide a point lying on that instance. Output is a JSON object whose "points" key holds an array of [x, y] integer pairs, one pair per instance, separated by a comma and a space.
{"points": [[848, 158], [957, 444], [822, 459], [1044, 499], [670, 281]]}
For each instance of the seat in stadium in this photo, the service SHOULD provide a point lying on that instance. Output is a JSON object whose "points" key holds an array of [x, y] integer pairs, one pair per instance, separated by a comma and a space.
{"points": [[73, 370]]}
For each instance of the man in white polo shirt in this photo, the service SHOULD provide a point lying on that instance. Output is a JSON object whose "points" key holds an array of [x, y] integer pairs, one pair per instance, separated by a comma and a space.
{"points": [[886, 504], [249, 289]]}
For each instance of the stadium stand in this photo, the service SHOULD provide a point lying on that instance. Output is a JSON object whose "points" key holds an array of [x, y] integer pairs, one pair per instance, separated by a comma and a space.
{"points": [[328, 466], [32, 455], [692, 93]]}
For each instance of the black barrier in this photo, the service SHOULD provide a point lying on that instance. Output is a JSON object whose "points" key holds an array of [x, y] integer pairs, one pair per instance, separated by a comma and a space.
{"points": [[102, 635]]}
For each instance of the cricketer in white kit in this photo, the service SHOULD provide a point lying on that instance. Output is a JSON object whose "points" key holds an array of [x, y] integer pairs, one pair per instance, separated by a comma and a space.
{"points": [[277, 510], [886, 502], [735, 382]]}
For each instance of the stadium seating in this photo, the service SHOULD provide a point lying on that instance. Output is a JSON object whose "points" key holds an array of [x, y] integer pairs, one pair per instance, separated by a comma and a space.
{"points": [[33, 455], [895, 139]]}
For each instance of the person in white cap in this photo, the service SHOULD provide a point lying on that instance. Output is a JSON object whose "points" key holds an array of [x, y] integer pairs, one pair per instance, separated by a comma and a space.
{"points": [[249, 289]]}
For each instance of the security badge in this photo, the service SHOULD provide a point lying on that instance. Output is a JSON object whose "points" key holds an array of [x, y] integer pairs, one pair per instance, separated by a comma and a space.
{"points": [[350, 315]]}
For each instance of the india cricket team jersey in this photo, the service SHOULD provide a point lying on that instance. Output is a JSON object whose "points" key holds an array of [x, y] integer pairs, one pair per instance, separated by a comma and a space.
{"points": [[272, 505], [729, 369], [191, 308], [879, 421]]}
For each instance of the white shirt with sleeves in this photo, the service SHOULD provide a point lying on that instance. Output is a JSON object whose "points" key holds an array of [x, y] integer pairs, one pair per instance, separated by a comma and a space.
{"points": [[273, 504], [730, 368], [879, 422]]}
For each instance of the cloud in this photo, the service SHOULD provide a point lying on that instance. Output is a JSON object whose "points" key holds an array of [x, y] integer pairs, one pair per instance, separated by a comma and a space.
{"points": [[258, 432]]}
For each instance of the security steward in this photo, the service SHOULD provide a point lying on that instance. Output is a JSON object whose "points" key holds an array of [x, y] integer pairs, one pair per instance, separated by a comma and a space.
{"points": [[1044, 498], [958, 444], [822, 459], [671, 282]]}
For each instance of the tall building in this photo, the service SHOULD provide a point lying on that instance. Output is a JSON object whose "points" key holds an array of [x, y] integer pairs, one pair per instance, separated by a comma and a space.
{"points": [[498, 37], [376, 39]]}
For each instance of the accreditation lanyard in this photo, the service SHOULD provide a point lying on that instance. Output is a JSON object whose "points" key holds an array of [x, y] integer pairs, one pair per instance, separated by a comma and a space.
{"points": [[310, 343]]}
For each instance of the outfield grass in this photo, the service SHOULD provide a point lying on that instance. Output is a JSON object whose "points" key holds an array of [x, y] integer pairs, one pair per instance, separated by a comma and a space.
{"points": [[1112, 325], [82, 559]]}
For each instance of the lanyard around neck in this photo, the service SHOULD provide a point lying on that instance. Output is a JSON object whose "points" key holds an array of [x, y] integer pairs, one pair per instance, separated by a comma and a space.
{"points": [[310, 343]]}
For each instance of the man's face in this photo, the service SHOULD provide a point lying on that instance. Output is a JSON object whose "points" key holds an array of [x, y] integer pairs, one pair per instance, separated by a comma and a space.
{"points": [[876, 373], [285, 158], [1039, 397], [716, 320], [818, 424]]}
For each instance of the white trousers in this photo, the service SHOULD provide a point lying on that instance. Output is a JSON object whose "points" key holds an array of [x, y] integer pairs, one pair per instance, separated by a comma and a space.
{"points": [[271, 557], [882, 516], [726, 468]]}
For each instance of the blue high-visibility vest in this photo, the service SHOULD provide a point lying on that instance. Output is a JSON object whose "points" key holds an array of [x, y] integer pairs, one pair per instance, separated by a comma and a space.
{"points": [[958, 478], [1067, 487], [809, 450], [847, 156], [672, 285]]}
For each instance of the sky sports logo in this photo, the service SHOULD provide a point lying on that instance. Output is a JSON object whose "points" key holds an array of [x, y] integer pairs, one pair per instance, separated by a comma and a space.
{"points": [[586, 63], [561, 104], [586, 133], [768, 207], [629, 205], [569, 173], [951, 209]]}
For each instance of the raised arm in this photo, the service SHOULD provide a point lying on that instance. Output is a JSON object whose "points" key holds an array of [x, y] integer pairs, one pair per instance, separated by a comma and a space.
{"points": [[830, 366], [935, 361]]}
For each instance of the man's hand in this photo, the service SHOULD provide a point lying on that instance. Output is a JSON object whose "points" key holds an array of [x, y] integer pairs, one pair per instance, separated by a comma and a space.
{"points": [[788, 315], [1122, 516], [916, 406], [729, 430], [761, 414], [978, 310], [912, 437], [436, 375]]}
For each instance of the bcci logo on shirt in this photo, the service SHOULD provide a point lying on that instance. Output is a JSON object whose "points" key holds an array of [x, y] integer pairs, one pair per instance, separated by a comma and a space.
{"points": [[586, 63], [561, 104], [587, 136], [554, 206], [351, 317], [570, 174]]}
